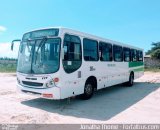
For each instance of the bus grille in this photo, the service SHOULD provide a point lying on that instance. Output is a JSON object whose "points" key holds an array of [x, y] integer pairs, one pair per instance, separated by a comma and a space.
{"points": [[32, 83]]}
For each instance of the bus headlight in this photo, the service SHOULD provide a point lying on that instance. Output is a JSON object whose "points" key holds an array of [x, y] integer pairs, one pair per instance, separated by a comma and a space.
{"points": [[50, 84]]}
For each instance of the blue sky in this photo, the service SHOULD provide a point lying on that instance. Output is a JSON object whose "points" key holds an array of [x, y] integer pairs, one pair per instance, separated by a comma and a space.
{"points": [[135, 22]]}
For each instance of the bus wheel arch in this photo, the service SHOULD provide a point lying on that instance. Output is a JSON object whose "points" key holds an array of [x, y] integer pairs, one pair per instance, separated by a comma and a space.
{"points": [[131, 79], [132, 72], [92, 79], [89, 87]]}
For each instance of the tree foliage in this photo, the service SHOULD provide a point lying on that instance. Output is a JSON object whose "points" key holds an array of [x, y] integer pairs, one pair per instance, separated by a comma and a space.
{"points": [[7, 58], [155, 50], [156, 54]]}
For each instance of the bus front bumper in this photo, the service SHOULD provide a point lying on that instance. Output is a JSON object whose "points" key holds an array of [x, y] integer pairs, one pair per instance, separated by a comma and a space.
{"points": [[47, 93]]}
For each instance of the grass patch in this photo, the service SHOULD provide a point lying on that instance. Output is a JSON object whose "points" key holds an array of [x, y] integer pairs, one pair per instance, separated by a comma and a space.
{"points": [[8, 68], [153, 69]]}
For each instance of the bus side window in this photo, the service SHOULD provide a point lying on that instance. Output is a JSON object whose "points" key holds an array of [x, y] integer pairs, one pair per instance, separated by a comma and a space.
{"points": [[140, 56], [90, 50], [117, 53], [105, 50], [137, 55], [72, 53], [126, 54], [133, 55]]}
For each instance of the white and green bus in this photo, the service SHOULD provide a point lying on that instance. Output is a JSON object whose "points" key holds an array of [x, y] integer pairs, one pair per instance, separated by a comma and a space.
{"points": [[57, 63]]}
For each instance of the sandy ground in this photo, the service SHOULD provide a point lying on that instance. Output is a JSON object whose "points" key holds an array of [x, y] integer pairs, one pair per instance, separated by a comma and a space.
{"points": [[118, 104]]}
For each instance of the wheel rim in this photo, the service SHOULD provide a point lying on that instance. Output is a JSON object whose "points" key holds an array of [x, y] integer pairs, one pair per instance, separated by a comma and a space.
{"points": [[88, 89]]}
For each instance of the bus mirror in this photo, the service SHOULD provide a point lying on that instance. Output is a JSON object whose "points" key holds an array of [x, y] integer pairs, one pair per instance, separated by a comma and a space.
{"points": [[12, 44]]}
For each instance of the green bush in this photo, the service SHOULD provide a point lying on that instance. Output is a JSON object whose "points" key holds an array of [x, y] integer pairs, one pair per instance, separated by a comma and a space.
{"points": [[8, 67], [152, 69]]}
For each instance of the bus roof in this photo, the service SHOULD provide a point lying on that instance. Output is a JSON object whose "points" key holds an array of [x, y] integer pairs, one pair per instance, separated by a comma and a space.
{"points": [[63, 30]]}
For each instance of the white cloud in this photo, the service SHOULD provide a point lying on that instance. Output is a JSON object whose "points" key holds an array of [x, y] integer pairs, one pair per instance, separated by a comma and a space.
{"points": [[2, 29], [5, 50]]}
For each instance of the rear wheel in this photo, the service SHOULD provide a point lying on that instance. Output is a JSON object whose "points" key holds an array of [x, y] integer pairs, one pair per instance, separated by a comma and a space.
{"points": [[88, 90], [131, 80]]}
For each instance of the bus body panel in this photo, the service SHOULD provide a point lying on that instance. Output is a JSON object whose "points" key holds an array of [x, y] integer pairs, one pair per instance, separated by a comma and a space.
{"points": [[107, 73]]}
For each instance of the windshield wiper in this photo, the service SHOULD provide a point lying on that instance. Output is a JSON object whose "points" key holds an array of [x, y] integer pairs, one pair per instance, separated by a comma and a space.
{"points": [[31, 50], [40, 45]]}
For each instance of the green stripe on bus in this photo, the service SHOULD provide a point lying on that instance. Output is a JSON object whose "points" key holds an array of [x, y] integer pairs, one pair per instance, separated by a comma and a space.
{"points": [[138, 69], [135, 64]]}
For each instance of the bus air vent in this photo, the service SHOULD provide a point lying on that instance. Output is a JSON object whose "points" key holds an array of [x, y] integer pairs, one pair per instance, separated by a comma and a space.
{"points": [[32, 83]]}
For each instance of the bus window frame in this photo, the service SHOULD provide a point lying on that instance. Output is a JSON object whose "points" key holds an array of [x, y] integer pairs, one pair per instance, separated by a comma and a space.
{"points": [[124, 54], [101, 42], [133, 50], [80, 51], [121, 53], [97, 50]]}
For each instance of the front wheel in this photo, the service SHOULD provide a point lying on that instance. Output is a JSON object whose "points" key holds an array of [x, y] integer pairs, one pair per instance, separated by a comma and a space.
{"points": [[131, 80], [88, 91]]}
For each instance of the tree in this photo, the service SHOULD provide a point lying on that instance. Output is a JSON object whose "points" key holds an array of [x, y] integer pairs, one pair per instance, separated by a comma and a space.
{"points": [[156, 54], [155, 50]]}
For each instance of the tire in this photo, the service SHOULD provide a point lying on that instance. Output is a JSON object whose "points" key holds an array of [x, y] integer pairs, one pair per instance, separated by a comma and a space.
{"points": [[131, 80], [88, 91]]}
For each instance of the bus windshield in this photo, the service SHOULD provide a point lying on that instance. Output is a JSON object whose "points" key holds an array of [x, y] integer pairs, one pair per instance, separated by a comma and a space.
{"points": [[39, 56]]}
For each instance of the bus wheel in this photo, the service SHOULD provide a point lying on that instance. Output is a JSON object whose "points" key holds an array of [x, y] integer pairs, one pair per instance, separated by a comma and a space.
{"points": [[88, 91], [131, 80]]}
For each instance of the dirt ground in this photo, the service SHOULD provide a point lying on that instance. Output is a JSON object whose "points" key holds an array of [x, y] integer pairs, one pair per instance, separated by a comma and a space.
{"points": [[118, 104]]}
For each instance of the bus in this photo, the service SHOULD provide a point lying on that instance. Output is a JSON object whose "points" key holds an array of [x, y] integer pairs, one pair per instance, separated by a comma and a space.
{"points": [[58, 63]]}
